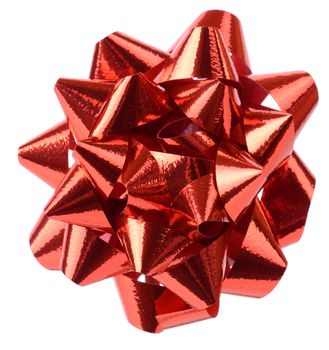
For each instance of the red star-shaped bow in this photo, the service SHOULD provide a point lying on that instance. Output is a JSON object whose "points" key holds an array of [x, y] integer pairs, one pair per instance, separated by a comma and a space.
{"points": [[185, 183]]}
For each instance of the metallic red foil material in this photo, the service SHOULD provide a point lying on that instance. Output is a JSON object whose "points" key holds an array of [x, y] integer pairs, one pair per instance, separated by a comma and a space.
{"points": [[185, 183]]}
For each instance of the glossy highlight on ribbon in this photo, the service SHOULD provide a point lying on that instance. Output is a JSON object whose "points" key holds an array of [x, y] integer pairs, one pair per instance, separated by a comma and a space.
{"points": [[185, 184]]}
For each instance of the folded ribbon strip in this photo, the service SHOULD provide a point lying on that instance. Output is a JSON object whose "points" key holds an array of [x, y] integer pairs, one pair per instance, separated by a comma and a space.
{"points": [[185, 183]]}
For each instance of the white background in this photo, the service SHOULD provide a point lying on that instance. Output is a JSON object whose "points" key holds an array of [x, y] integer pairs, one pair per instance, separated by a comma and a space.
{"points": [[44, 40]]}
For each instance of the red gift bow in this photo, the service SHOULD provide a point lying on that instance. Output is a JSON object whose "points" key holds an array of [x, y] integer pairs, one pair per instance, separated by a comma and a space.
{"points": [[185, 184]]}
